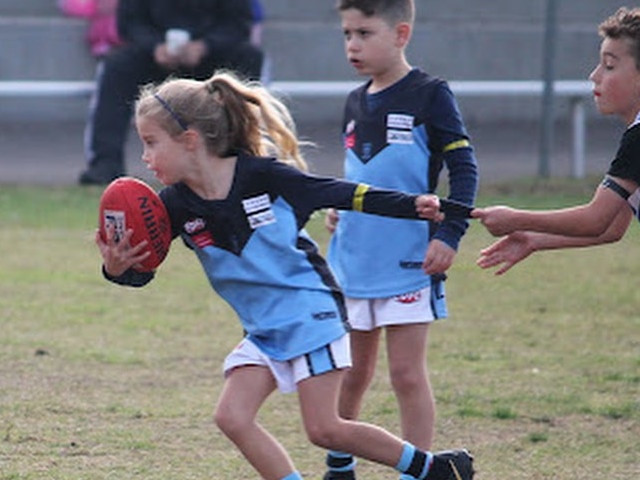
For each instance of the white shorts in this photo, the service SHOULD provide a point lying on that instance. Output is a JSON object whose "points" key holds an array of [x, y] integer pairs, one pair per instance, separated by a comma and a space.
{"points": [[423, 306], [334, 356]]}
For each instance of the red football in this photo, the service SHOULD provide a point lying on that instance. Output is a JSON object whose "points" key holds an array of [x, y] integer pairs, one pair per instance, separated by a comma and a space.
{"points": [[129, 203]]}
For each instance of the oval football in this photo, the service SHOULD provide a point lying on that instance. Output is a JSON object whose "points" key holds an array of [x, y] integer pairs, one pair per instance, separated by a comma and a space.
{"points": [[129, 203]]}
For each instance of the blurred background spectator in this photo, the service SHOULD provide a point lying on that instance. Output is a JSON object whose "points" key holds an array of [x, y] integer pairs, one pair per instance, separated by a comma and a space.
{"points": [[212, 34], [102, 31], [258, 20]]}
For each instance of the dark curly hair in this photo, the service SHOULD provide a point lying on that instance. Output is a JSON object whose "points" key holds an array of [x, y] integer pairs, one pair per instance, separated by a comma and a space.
{"points": [[624, 25], [392, 11]]}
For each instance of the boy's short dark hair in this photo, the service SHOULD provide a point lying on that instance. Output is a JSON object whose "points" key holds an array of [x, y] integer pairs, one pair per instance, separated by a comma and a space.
{"points": [[392, 11], [624, 24]]}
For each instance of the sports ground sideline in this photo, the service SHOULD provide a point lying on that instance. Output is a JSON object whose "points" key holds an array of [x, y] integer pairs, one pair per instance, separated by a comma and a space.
{"points": [[50, 153]]}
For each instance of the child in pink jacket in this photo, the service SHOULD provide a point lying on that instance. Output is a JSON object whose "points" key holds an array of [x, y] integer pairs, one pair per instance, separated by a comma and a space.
{"points": [[102, 32]]}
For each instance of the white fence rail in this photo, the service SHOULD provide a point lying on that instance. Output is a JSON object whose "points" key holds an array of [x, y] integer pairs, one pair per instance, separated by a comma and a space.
{"points": [[577, 91]]}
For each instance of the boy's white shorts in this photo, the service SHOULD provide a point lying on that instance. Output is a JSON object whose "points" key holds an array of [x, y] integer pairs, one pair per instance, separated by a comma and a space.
{"points": [[423, 306], [334, 356]]}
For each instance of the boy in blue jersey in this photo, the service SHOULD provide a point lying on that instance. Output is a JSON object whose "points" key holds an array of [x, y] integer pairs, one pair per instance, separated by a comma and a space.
{"points": [[243, 213], [606, 218], [399, 129]]}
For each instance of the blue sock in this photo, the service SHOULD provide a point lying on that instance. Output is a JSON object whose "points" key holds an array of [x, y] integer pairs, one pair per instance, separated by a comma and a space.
{"points": [[340, 461], [414, 462], [404, 476], [293, 476]]}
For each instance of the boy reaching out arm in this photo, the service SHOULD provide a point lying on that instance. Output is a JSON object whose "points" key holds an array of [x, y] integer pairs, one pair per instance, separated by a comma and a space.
{"points": [[616, 81]]}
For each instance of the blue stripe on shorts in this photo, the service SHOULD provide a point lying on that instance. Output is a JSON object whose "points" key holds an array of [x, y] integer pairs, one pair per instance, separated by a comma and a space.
{"points": [[320, 361], [438, 299]]}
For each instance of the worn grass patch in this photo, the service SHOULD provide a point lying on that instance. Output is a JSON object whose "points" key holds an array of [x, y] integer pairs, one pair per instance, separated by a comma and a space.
{"points": [[537, 372]]}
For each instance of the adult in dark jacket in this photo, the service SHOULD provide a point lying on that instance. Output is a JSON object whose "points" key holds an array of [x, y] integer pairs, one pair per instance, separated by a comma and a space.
{"points": [[219, 32]]}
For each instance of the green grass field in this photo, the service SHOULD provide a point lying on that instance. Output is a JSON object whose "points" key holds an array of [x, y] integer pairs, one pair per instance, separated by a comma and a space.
{"points": [[537, 372]]}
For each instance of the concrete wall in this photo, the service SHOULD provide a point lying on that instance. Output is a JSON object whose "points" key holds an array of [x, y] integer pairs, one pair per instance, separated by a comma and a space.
{"points": [[455, 39]]}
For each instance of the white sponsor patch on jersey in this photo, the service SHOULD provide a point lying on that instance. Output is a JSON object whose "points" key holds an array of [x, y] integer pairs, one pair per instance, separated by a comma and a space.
{"points": [[258, 210], [400, 128], [400, 121], [254, 204], [261, 219], [400, 136]]}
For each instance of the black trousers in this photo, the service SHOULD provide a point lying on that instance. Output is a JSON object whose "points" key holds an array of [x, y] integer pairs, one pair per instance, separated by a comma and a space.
{"points": [[119, 77]]}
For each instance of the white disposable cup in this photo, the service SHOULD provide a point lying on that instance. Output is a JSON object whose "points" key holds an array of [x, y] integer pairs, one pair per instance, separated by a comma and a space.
{"points": [[176, 38]]}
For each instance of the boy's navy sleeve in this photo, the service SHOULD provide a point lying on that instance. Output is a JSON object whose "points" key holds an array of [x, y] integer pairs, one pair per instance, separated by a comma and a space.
{"points": [[456, 151], [463, 185]]}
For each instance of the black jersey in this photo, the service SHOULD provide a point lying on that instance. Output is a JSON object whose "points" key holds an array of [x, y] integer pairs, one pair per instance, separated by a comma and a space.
{"points": [[626, 163]]}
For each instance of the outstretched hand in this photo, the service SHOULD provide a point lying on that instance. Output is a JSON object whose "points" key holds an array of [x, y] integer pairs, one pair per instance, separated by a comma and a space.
{"points": [[497, 220], [119, 256], [506, 252]]}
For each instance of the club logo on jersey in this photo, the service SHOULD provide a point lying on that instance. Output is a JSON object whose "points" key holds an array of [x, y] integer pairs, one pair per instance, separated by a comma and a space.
{"points": [[400, 128], [196, 229], [350, 135], [366, 151], [408, 298], [258, 210], [192, 226]]}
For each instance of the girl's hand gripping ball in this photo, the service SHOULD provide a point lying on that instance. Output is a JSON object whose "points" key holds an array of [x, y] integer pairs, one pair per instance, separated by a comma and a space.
{"points": [[130, 204]]}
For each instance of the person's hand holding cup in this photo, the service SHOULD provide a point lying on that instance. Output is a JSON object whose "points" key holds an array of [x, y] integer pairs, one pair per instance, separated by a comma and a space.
{"points": [[176, 39]]}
